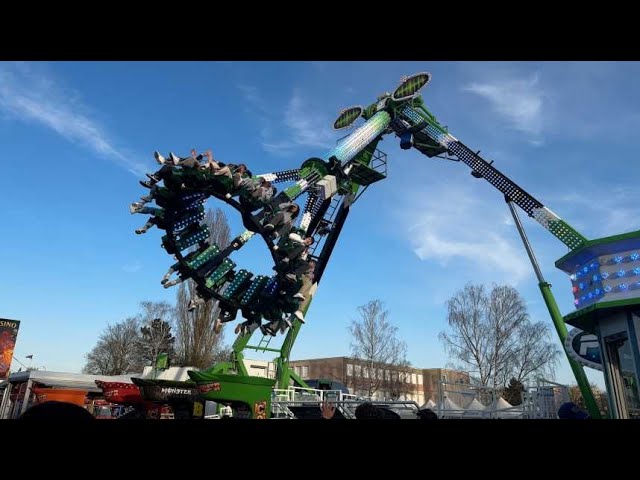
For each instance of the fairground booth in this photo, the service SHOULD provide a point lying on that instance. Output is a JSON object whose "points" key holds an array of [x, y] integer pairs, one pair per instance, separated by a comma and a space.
{"points": [[28, 388], [605, 274]]}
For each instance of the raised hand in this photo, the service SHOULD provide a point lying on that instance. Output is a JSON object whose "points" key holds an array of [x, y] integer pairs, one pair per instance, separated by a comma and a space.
{"points": [[328, 410]]}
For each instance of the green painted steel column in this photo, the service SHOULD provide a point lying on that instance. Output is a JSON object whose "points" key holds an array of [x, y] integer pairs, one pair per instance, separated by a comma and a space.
{"points": [[578, 370], [556, 317], [282, 362]]}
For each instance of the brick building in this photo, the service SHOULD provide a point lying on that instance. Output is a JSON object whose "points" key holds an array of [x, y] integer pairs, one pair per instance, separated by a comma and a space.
{"points": [[417, 384]]}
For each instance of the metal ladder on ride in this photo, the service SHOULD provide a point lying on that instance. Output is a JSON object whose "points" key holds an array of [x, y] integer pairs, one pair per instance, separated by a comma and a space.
{"points": [[263, 345], [327, 218], [264, 342], [379, 164]]}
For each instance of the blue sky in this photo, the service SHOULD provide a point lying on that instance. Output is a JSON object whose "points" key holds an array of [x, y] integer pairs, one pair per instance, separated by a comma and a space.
{"points": [[76, 137]]}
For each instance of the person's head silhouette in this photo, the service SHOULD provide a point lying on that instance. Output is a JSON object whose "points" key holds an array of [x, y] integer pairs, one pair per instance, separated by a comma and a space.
{"points": [[54, 410], [427, 414], [369, 411], [570, 411]]}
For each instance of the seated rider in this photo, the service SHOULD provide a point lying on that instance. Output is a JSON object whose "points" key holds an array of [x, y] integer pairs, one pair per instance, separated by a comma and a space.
{"points": [[214, 167], [230, 169], [308, 278], [291, 247], [167, 199], [195, 301], [167, 168], [227, 314], [279, 225], [239, 174], [250, 325], [256, 193], [173, 159], [156, 219], [176, 266], [264, 192], [162, 218], [304, 273], [210, 263]]}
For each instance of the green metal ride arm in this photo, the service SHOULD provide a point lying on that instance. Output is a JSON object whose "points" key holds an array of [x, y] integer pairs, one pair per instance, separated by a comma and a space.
{"points": [[283, 371], [415, 114]]}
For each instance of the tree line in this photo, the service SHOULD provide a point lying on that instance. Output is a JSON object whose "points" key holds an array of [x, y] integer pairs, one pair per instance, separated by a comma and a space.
{"points": [[129, 345], [490, 336]]}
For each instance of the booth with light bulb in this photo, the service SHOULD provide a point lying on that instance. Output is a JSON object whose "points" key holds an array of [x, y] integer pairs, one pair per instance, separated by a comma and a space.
{"points": [[605, 278]]}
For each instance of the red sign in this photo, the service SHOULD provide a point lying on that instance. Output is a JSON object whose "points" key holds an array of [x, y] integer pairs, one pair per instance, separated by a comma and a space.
{"points": [[8, 335], [208, 387]]}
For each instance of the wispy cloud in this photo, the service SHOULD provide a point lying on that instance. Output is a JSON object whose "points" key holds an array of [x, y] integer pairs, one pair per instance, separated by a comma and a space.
{"points": [[613, 212], [253, 98], [33, 96], [309, 127], [508, 220], [550, 99], [464, 229], [132, 268], [518, 101], [302, 125]]}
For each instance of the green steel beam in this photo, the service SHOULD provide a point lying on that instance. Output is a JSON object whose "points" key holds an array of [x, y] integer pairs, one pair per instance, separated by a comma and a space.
{"points": [[556, 317]]}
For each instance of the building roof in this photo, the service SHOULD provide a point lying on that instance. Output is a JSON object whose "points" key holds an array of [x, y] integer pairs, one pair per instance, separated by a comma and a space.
{"points": [[177, 374], [87, 382], [476, 405], [449, 405], [430, 405], [319, 359], [68, 380], [410, 368], [501, 404]]}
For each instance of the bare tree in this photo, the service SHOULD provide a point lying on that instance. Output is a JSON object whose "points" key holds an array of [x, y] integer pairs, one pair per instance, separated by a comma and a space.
{"points": [[155, 331], [398, 382], [468, 341], [219, 230], [534, 352], [155, 338], [380, 356], [507, 316], [153, 310], [493, 339], [116, 352], [197, 344]]}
